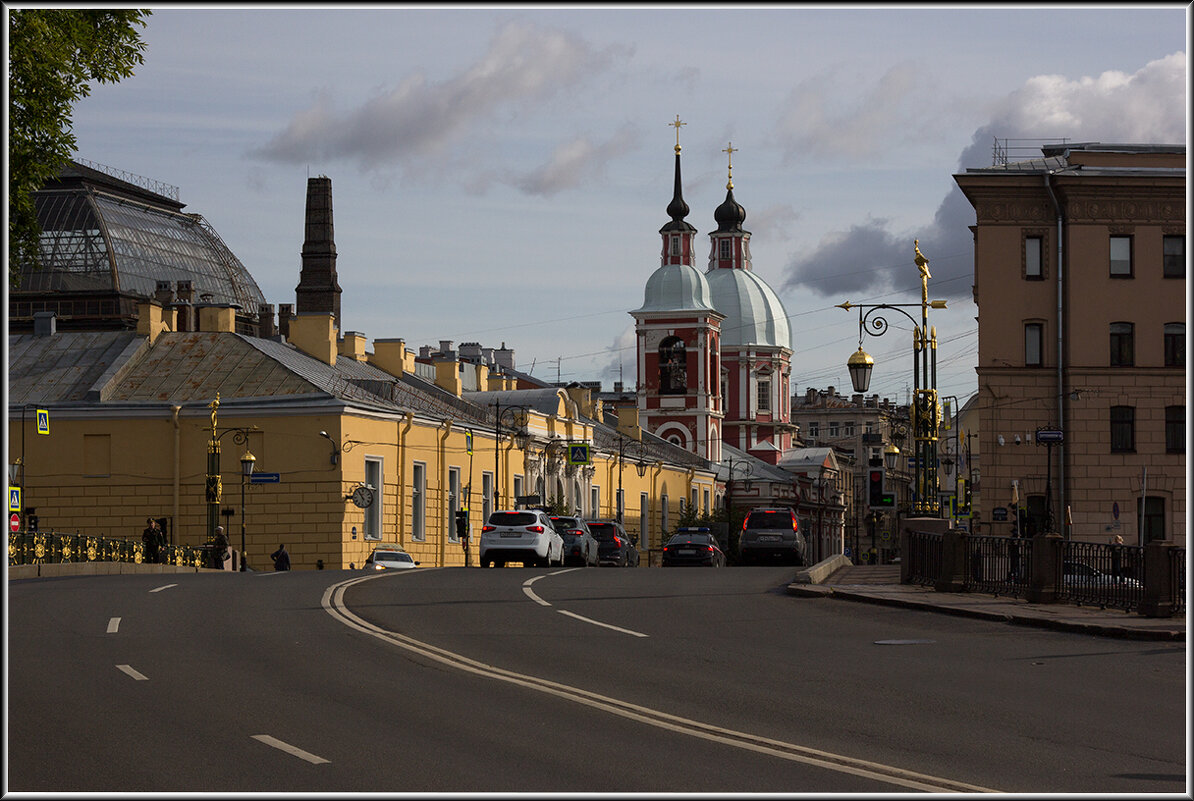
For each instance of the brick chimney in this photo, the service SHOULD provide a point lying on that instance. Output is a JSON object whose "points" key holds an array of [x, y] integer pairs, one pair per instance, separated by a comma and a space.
{"points": [[390, 355], [315, 335], [318, 290], [265, 321], [285, 314], [353, 345]]}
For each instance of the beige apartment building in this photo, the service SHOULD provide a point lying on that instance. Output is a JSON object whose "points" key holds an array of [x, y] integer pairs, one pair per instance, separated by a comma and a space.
{"points": [[1080, 281]]}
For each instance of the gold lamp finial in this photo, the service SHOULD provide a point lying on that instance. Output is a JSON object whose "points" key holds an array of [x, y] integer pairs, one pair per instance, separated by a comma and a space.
{"points": [[677, 125], [730, 150], [213, 406]]}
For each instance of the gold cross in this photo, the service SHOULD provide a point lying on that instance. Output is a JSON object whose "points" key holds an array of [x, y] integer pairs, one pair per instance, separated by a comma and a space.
{"points": [[730, 150], [677, 125]]}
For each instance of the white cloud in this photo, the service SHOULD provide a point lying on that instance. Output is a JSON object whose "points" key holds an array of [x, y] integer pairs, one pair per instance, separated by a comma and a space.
{"points": [[1147, 106]]}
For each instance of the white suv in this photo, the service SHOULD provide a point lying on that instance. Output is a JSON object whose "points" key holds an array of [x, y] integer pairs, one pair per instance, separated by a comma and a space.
{"points": [[521, 535]]}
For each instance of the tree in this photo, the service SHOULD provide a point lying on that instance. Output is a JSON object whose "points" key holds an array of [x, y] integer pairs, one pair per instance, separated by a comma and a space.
{"points": [[53, 55]]}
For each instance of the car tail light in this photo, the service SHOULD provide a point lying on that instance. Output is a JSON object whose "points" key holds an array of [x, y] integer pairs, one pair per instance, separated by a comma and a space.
{"points": [[576, 531], [617, 541], [709, 548], [486, 528], [536, 529]]}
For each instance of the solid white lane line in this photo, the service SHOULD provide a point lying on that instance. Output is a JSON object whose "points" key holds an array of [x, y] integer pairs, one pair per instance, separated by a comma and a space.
{"points": [[113, 625], [129, 670], [599, 623], [163, 587], [526, 587], [333, 604], [290, 749]]}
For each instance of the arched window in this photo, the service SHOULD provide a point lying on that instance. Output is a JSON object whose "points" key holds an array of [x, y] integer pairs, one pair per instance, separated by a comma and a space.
{"points": [[673, 368]]}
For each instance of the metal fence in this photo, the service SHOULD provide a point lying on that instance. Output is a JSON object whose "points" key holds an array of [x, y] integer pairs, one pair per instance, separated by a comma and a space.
{"points": [[1097, 574], [998, 565], [44, 548], [923, 557]]}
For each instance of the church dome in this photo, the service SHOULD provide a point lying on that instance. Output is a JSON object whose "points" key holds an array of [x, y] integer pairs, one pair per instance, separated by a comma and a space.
{"points": [[754, 313], [677, 287], [730, 214]]}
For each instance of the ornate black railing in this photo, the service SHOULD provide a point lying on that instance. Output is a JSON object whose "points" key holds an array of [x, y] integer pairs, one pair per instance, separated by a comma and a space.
{"points": [[1102, 575], [45, 548], [924, 557], [998, 565]]}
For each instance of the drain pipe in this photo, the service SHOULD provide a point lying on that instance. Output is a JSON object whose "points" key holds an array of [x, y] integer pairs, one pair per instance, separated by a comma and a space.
{"points": [[177, 472], [1061, 494]]}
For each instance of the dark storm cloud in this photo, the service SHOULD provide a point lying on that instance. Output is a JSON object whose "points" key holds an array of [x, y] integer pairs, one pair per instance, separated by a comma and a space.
{"points": [[1145, 107]]}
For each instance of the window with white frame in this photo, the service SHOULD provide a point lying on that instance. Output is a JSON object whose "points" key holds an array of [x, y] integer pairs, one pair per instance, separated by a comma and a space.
{"points": [[418, 502], [848, 428], [644, 520], [486, 496], [835, 430], [675, 245], [763, 397], [371, 530], [594, 501], [1120, 256], [663, 521], [1033, 249], [518, 491], [705, 497], [724, 249]]}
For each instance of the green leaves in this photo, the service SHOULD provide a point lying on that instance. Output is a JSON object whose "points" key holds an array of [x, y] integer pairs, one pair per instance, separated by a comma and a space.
{"points": [[54, 55]]}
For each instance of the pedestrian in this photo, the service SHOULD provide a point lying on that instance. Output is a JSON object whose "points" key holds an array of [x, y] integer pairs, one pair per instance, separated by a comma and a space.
{"points": [[1117, 544], [163, 554], [150, 541], [220, 554], [281, 558]]}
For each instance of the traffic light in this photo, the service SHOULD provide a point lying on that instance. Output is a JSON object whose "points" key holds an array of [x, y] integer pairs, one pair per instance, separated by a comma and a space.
{"points": [[874, 486], [462, 524]]}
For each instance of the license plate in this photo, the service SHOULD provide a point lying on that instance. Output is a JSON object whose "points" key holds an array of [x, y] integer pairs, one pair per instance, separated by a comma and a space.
{"points": [[686, 551], [511, 534], [769, 538]]}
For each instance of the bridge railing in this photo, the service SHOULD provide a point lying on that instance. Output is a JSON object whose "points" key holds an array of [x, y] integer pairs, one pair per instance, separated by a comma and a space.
{"points": [[50, 547]]}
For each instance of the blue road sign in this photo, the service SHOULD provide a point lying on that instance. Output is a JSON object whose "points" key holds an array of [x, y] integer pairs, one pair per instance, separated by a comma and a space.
{"points": [[265, 478], [1047, 435], [43, 421], [579, 454]]}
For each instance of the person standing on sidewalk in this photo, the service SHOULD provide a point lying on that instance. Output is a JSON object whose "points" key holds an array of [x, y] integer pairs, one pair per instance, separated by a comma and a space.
{"points": [[281, 558], [220, 551]]}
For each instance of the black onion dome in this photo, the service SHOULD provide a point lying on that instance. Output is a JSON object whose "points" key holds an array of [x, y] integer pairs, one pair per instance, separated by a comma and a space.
{"points": [[677, 209], [730, 215]]}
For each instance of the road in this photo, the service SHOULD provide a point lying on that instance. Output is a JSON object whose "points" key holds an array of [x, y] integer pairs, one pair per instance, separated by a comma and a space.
{"points": [[577, 680]]}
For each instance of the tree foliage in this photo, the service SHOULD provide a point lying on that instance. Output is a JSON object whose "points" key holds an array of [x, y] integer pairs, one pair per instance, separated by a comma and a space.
{"points": [[54, 55]]}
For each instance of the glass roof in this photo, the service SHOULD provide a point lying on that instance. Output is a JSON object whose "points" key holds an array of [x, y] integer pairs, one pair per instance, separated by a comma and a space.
{"points": [[93, 241]]}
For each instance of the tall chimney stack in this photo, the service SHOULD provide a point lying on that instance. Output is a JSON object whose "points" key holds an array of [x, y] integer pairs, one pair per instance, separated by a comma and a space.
{"points": [[318, 290]]}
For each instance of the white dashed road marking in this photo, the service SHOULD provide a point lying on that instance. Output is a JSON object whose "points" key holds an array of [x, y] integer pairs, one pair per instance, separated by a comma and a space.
{"points": [[599, 623], [290, 749], [129, 670], [163, 587], [113, 625]]}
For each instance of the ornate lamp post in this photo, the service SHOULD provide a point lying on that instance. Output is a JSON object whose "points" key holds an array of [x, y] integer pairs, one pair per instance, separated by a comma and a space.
{"points": [[925, 410], [214, 487], [521, 436], [247, 461]]}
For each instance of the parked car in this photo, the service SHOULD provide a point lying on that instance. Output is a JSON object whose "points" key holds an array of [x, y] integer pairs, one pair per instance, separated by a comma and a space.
{"points": [[1080, 574], [389, 559], [614, 545], [520, 535], [771, 533], [693, 546], [579, 546]]}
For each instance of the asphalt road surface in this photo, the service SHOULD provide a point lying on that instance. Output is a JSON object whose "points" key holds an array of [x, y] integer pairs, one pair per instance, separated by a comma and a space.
{"points": [[596, 680]]}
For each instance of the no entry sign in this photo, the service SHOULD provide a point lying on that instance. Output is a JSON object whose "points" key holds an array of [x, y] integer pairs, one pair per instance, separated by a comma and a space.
{"points": [[14, 523]]}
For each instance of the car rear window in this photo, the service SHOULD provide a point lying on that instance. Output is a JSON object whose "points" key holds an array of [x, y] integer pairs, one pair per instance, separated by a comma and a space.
{"points": [[603, 531], [512, 518], [769, 520], [565, 522]]}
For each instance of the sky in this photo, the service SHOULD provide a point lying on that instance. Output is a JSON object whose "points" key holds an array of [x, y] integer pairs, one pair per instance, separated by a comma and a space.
{"points": [[500, 173]]}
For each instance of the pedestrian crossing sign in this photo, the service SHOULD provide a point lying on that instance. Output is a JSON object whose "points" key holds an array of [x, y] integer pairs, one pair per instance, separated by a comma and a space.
{"points": [[14, 499], [43, 421], [579, 454]]}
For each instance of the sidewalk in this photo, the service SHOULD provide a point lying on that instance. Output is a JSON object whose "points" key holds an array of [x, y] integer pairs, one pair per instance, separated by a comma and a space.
{"points": [[880, 584]]}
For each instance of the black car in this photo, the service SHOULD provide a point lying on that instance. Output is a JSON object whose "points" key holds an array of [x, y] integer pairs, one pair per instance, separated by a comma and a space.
{"points": [[579, 546], [693, 547], [614, 545]]}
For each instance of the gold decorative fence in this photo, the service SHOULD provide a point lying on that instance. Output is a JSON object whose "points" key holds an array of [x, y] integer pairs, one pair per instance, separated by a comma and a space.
{"points": [[47, 548]]}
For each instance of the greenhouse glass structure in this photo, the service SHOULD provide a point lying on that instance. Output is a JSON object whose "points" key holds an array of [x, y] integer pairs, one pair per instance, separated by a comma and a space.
{"points": [[111, 240]]}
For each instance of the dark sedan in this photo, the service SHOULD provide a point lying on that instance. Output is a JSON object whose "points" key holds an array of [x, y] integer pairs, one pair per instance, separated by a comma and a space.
{"points": [[579, 546], [697, 548]]}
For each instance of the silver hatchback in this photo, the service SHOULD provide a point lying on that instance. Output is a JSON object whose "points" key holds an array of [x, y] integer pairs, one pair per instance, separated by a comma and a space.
{"points": [[771, 533]]}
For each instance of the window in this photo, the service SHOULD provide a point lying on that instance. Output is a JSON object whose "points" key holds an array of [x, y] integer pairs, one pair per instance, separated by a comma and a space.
{"points": [[1175, 429], [834, 429], [725, 389], [1123, 346], [705, 495], [1153, 517], [848, 428], [764, 395], [621, 505], [663, 521], [695, 508], [372, 527], [724, 249], [453, 503], [814, 429], [594, 501], [1121, 256], [486, 495], [644, 520], [673, 369], [1175, 344], [418, 502], [1174, 256], [518, 491], [675, 243], [1034, 334], [1032, 258], [1123, 429]]}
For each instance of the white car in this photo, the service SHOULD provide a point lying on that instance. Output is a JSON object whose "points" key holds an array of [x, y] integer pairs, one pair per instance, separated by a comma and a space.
{"points": [[1079, 574], [521, 535], [390, 559]]}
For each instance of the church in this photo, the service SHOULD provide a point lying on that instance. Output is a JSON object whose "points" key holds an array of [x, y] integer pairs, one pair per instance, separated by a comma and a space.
{"points": [[713, 348]]}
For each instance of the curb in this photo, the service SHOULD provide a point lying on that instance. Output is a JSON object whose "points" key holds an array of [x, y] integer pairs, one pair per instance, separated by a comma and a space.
{"points": [[1094, 629]]}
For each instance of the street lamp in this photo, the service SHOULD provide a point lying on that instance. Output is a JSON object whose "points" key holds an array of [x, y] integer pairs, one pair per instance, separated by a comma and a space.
{"points": [[520, 436], [891, 455], [925, 411], [247, 460]]}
